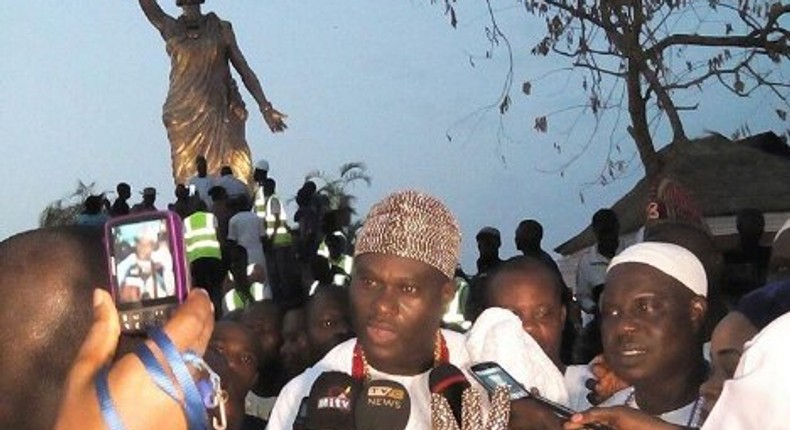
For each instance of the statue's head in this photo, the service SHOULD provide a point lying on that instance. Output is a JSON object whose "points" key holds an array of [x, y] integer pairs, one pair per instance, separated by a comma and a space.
{"points": [[189, 2]]}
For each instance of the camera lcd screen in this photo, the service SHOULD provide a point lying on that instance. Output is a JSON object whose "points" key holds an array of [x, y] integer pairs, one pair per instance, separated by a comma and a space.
{"points": [[143, 264]]}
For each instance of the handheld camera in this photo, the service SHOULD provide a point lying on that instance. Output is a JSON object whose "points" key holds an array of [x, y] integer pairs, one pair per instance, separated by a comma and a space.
{"points": [[149, 275]]}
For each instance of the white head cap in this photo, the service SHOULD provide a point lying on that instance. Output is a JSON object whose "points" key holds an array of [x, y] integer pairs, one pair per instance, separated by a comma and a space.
{"points": [[671, 259], [262, 165]]}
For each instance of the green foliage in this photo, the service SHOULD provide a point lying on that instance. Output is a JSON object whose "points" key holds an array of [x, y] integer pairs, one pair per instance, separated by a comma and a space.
{"points": [[335, 189], [64, 211]]}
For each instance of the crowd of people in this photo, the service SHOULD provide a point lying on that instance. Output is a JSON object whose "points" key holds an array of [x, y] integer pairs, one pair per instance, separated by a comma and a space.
{"points": [[665, 333]]}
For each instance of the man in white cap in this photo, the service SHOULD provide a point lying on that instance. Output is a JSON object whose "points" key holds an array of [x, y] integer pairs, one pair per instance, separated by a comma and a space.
{"points": [[653, 309], [405, 258]]}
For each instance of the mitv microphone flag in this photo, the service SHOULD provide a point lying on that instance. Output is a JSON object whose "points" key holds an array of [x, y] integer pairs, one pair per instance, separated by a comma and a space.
{"points": [[331, 403]]}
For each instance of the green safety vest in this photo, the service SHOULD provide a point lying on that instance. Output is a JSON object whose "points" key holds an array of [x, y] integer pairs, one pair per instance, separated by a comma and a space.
{"points": [[279, 236], [260, 203], [200, 236], [233, 300]]}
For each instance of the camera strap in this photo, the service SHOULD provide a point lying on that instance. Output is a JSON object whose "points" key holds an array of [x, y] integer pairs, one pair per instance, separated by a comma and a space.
{"points": [[205, 394]]}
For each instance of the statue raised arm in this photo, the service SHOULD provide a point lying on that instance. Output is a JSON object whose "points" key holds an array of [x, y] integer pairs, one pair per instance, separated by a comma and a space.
{"points": [[204, 113]]}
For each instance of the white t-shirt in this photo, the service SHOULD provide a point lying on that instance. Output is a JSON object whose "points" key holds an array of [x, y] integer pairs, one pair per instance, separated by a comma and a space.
{"points": [[202, 185], [591, 272], [233, 186], [245, 228], [340, 359], [688, 415]]}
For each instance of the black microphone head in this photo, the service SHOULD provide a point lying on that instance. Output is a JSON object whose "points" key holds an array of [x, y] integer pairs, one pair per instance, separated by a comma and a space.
{"points": [[447, 376], [449, 382], [331, 402], [383, 405]]}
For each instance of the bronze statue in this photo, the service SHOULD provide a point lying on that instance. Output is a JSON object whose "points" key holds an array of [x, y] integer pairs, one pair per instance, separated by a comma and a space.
{"points": [[204, 113]]}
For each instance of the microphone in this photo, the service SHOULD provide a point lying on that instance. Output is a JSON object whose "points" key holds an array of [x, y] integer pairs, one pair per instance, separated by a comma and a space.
{"points": [[383, 405], [449, 382], [330, 405]]}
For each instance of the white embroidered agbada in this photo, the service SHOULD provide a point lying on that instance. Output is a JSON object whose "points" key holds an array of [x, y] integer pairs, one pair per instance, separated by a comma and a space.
{"points": [[340, 359]]}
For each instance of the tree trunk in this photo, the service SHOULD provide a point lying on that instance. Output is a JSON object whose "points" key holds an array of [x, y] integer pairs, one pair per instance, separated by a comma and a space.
{"points": [[639, 129]]}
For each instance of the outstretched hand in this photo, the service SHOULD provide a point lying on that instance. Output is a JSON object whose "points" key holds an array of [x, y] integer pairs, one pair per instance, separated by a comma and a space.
{"points": [[618, 418], [275, 119], [138, 401]]}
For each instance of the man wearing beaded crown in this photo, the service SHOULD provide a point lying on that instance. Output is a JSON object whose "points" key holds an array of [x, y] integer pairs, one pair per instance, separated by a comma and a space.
{"points": [[405, 258]]}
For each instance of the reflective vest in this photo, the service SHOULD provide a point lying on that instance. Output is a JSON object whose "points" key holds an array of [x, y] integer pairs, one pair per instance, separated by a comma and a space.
{"points": [[456, 308], [260, 203], [279, 236], [200, 236], [345, 263], [323, 249], [233, 300]]}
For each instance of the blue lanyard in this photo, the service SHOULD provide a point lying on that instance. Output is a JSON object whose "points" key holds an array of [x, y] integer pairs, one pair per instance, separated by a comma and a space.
{"points": [[193, 406]]}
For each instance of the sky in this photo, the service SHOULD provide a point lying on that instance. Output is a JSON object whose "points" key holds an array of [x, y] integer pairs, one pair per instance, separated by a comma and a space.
{"points": [[82, 86]]}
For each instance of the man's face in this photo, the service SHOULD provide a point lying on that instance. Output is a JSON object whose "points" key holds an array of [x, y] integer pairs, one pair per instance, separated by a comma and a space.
{"points": [[726, 348], [533, 296], [265, 324], [327, 325], [397, 304], [144, 248], [237, 344], [295, 352], [649, 323]]}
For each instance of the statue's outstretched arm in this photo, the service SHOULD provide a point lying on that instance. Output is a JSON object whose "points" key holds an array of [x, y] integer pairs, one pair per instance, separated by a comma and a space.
{"points": [[274, 119], [162, 21]]}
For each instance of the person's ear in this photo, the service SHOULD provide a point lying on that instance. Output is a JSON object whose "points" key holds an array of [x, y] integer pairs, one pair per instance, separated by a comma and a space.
{"points": [[564, 313], [698, 311], [448, 292]]}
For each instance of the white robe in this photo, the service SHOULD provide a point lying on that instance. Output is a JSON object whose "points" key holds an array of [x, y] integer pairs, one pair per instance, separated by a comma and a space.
{"points": [[340, 359]]}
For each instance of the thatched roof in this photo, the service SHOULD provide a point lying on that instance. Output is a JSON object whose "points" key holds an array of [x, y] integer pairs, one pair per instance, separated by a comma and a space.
{"points": [[723, 176]]}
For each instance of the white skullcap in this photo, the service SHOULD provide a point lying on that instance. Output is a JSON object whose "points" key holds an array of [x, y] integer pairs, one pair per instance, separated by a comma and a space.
{"points": [[785, 227], [262, 165], [671, 259]]}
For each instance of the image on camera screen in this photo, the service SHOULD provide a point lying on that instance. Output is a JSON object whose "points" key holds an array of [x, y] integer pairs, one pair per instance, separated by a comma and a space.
{"points": [[143, 264]]}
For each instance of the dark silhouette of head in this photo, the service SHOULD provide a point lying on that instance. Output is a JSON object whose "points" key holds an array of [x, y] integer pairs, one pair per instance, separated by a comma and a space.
{"points": [[93, 204], [751, 225], [149, 196], [269, 186], [488, 242], [201, 165], [47, 278], [529, 234], [218, 193], [226, 170], [606, 228], [181, 192], [124, 190]]}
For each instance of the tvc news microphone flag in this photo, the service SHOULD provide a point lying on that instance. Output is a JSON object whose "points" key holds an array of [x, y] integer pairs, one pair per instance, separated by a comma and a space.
{"points": [[331, 402], [383, 405]]}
